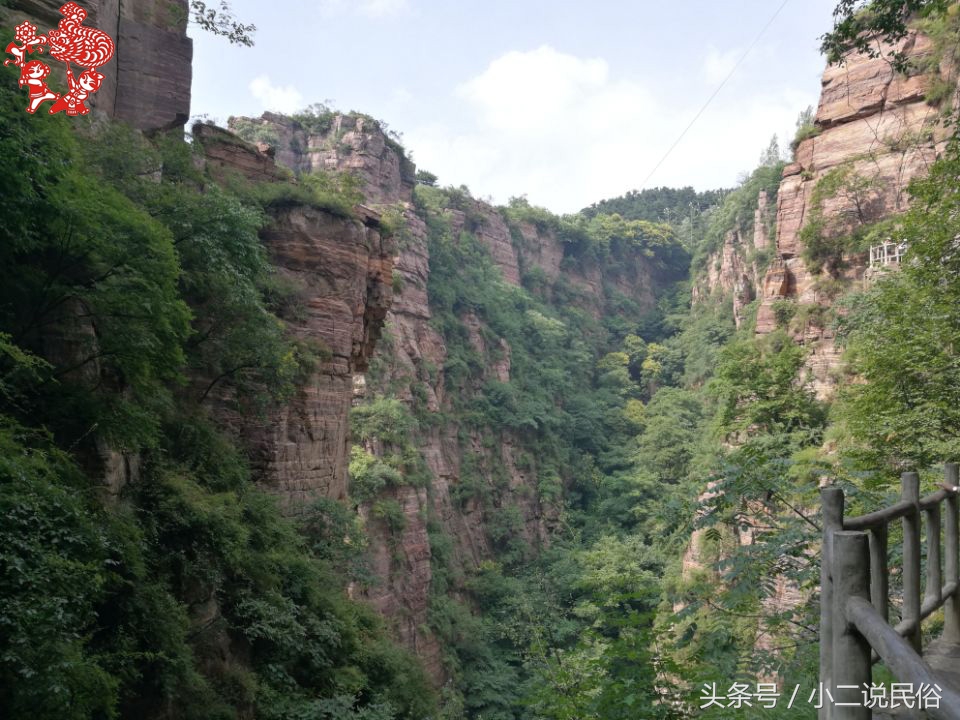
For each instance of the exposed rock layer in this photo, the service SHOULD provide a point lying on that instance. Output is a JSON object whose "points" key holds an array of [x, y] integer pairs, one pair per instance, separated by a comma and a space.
{"points": [[341, 268], [415, 355], [876, 125], [147, 83]]}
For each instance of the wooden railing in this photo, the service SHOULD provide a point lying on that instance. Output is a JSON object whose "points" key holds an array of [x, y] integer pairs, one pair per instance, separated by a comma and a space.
{"points": [[855, 601], [887, 253]]}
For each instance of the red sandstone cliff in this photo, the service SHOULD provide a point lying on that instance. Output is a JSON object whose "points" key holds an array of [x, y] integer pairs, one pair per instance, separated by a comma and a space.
{"points": [[879, 124], [414, 355], [341, 268], [147, 83]]}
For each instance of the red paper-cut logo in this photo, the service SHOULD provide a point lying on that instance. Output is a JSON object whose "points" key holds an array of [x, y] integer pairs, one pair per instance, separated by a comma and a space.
{"points": [[72, 44]]}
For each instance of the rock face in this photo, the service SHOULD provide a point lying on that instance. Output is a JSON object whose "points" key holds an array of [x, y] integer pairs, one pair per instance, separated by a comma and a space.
{"points": [[728, 272], [876, 125], [341, 268], [761, 222], [491, 229], [331, 141], [879, 126], [147, 83], [412, 356]]}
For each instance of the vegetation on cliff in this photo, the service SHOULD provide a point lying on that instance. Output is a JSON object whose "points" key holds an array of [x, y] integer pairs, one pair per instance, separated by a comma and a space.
{"points": [[133, 291], [671, 460]]}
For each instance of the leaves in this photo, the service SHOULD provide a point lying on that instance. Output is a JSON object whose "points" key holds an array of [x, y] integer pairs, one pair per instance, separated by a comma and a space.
{"points": [[222, 22], [859, 25], [902, 338]]}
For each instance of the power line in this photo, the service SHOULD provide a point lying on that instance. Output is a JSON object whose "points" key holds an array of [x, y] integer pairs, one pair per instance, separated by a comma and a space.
{"points": [[715, 92]]}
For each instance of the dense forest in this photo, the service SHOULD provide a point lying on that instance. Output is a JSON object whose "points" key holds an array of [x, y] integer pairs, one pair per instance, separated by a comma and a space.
{"points": [[139, 308]]}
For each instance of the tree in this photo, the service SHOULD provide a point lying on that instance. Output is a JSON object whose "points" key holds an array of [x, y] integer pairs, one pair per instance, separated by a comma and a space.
{"points": [[862, 25], [222, 22], [903, 338], [426, 178], [771, 155], [757, 388]]}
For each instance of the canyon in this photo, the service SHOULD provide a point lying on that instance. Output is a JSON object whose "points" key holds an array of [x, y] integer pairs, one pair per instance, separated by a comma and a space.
{"points": [[473, 484], [414, 357], [872, 122]]}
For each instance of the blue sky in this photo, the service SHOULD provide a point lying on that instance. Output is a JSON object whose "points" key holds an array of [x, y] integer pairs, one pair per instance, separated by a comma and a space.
{"points": [[565, 102]]}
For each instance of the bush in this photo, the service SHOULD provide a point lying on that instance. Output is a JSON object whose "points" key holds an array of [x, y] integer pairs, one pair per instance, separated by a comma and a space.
{"points": [[369, 475], [254, 131], [825, 239], [783, 312], [805, 132]]}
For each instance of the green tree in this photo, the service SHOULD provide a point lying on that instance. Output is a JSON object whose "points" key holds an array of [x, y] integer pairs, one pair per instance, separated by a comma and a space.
{"points": [[903, 338], [221, 21], [860, 24]]}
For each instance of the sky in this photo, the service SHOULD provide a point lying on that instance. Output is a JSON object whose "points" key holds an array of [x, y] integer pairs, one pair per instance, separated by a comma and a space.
{"points": [[564, 102]]}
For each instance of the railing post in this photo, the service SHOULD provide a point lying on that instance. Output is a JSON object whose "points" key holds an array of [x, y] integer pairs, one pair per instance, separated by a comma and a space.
{"points": [[910, 492], [879, 572], [951, 611], [852, 666], [831, 499], [934, 590]]}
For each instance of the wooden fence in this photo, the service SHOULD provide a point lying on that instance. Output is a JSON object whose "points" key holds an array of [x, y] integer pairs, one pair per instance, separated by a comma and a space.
{"points": [[887, 253], [855, 600]]}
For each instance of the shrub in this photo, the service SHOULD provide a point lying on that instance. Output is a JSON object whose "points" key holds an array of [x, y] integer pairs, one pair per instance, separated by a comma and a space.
{"points": [[254, 131], [783, 312], [805, 132]]}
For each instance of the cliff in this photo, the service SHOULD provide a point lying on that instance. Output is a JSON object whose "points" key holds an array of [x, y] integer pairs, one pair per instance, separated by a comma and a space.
{"points": [[340, 268], [476, 475], [874, 131], [734, 269], [147, 83], [875, 128]]}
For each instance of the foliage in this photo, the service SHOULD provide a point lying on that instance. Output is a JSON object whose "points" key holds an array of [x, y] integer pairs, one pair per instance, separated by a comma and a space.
{"points": [[736, 212], [763, 477], [221, 22], [805, 131], [95, 249], [253, 131], [54, 559], [603, 237], [141, 293], [901, 335], [860, 24], [369, 475], [825, 237], [771, 155], [336, 193], [425, 177], [316, 119], [657, 205], [758, 390]]}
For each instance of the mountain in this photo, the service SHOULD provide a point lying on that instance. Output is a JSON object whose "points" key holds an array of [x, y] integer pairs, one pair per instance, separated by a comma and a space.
{"points": [[289, 432]]}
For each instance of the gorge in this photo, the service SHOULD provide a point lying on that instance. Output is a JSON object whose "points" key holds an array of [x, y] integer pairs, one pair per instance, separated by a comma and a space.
{"points": [[291, 432]]}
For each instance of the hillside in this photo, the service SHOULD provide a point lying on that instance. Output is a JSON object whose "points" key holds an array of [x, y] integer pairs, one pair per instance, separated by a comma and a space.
{"points": [[290, 432]]}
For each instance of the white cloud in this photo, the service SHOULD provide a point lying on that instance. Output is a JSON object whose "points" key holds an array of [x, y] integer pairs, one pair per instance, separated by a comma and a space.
{"points": [[382, 8], [533, 90], [401, 96], [717, 65], [567, 132], [374, 9], [285, 98]]}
